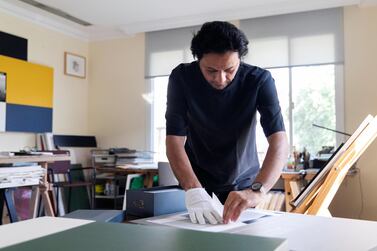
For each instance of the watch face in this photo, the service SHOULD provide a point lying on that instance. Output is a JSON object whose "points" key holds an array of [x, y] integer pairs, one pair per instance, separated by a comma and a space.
{"points": [[256, 186]]}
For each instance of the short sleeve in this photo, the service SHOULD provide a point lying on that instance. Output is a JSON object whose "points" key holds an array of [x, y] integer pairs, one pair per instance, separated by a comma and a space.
{"points": [[176, 109], [268, 106]]}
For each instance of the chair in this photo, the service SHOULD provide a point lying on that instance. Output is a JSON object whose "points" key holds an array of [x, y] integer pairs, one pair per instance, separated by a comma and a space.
{"points": [[74, 178], [166, 176]]}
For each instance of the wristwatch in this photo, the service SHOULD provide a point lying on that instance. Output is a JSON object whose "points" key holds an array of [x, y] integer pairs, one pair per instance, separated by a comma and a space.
{"points": [[258, 187]]}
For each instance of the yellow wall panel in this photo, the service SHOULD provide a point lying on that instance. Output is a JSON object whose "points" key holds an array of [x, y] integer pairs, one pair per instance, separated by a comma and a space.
{"points": [[27, 83]]}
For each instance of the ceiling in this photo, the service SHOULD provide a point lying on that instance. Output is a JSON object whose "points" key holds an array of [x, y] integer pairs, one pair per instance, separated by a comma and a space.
{"points": [[120, 18]]}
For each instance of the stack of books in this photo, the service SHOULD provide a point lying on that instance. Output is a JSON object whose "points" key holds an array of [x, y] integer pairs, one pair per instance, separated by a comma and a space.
{"points": [[21, 176], [45, 142], [135, 159]]}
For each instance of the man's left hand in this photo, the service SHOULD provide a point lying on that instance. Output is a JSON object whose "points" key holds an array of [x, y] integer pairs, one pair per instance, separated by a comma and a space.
{"points": [[238, 201]]}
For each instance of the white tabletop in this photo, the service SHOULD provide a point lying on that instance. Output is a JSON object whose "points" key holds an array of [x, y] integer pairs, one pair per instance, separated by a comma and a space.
{"points": [[31, 229], [306, 232], [302, 232]]}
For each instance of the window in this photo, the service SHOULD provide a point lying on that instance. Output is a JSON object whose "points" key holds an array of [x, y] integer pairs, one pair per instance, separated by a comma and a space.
{"points": [[159, 86], [307, 97], [313, 101], [303, 52], [281, 76], [164, 50]]}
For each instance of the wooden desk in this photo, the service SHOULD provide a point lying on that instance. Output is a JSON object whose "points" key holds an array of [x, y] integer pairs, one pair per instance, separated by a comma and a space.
{"points": [[293, 182], [148, 173], [44, 186]]}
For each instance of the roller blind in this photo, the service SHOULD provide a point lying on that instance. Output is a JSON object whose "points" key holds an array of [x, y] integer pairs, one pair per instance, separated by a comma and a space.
{"points": [[165, 49], [305, 38]]}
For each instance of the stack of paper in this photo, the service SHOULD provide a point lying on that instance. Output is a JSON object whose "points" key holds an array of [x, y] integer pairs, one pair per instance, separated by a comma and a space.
{"points": [[134, 158], [20, 176]]}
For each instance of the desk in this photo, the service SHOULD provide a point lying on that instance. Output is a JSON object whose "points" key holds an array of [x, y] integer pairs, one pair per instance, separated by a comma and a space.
{"points": [[31, 229], [44, 186], [47, 233], [293, 182], [302, 232], [148, 173], [307, 232]]}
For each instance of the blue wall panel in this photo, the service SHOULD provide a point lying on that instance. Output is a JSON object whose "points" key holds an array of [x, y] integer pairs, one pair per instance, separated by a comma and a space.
{"points": [[23, 118]]}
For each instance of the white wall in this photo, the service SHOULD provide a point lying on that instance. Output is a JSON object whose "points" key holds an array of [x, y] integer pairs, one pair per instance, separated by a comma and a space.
{"points": [[117, 111], [47, 47], [360, 36]]}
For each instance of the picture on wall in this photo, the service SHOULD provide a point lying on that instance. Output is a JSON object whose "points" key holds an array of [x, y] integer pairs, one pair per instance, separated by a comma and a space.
{"points": [[74, 65], [28, 102], [3, 78]]}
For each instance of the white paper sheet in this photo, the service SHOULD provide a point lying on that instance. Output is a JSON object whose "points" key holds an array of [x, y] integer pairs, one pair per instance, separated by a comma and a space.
{"points": [[183, 220]]}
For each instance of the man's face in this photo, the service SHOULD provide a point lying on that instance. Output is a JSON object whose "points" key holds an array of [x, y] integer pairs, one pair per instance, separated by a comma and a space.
{"points": [[219, 69]]}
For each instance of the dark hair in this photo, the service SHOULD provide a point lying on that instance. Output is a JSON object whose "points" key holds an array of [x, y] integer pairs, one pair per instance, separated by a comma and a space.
{"points": [[218, 37]]}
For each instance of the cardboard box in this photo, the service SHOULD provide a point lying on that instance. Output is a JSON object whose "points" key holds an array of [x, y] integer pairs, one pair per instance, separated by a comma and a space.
{"points": [[155, 201]]}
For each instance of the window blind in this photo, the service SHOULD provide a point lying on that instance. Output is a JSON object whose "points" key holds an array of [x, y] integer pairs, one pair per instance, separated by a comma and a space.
{"points": [[164, 50], [306, 38]]}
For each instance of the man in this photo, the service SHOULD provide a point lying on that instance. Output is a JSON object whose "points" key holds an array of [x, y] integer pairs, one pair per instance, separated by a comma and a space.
{"points": [[210, 126]]}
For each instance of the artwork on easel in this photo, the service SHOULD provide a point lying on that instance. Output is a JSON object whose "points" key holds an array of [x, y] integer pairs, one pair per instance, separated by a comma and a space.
{"points": [[320, 175], [318, 194]]}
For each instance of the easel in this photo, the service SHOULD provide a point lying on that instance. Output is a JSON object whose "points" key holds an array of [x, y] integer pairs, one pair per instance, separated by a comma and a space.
{"points": [[319, 198]]}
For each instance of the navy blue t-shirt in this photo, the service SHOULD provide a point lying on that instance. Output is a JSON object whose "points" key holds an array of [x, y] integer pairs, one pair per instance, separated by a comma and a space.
{"points": [[220, 124]]}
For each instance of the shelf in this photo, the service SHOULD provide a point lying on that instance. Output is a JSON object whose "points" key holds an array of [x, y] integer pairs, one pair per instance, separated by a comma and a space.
{"points": [[109, 196], [105, 177]]}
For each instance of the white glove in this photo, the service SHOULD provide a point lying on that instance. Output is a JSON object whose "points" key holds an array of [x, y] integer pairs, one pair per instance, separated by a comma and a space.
{"points": [[199, 205]]}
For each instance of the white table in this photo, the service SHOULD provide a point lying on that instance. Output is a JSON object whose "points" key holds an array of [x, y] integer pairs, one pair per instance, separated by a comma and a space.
{"points": [[306, 232], [302, 232], [51, 233], [34, 228]]}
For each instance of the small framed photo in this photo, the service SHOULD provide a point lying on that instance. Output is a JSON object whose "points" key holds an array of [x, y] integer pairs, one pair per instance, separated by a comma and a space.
{"points": [[74, 65]]}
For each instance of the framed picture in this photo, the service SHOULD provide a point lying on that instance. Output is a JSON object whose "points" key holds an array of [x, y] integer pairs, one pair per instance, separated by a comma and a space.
{"points": [[74, 65]]}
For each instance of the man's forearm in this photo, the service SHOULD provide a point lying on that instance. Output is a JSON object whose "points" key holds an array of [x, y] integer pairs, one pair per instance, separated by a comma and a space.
{"points": [[180, 163], [274, 161]]}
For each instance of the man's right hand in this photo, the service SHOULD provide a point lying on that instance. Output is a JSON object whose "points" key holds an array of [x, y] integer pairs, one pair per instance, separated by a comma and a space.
{"points": [[201, 207]]}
